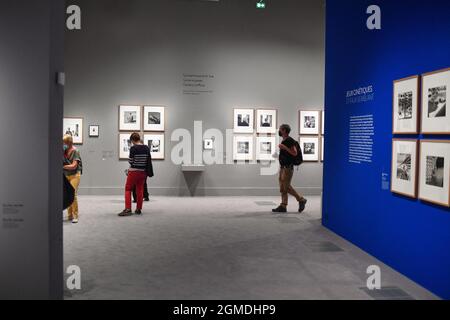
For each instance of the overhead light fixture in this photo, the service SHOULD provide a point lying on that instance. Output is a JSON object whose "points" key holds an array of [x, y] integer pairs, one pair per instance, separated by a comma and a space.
{"points": [[261, 4]]}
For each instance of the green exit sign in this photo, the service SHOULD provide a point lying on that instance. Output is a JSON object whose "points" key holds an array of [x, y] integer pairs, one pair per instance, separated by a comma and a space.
{"points": [[261, 5]]}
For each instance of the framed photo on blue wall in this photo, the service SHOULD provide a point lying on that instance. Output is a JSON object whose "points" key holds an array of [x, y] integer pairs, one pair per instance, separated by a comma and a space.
{"points": [[435, 172], [406, 106], [435, 94], [404, 167]]}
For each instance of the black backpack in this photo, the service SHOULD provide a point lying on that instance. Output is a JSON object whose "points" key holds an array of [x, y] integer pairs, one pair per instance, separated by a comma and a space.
{"points": [[149, 169], [68, 193], [298, 160]]}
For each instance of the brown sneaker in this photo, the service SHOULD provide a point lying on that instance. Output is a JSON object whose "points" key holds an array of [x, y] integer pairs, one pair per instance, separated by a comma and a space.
{"points": [[126, 213]]}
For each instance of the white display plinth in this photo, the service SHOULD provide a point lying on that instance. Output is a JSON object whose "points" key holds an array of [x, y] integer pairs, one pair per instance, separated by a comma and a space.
{"points": [[193, 167]]}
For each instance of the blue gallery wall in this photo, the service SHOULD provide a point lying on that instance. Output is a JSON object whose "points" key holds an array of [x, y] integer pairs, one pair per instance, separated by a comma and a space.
{"points": [[411, 236]]}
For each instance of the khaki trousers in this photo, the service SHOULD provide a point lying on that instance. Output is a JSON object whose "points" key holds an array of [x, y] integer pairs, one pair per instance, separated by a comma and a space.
{"points": [[75, 182], [286, 188]]}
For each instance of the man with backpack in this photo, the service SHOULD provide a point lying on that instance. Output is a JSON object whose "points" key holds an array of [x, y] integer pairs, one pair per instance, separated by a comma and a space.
{"points": [[290, 156]]}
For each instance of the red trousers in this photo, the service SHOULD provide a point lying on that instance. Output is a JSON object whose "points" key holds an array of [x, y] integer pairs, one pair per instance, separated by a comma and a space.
{"points": [[135, 179]]}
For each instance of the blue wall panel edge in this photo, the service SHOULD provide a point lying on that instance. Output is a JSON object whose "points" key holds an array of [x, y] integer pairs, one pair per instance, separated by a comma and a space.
{"points": [[411, 236]]}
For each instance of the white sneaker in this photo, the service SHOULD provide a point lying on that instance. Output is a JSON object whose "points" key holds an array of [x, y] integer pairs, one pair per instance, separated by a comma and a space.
{"points": [[75, 221]]}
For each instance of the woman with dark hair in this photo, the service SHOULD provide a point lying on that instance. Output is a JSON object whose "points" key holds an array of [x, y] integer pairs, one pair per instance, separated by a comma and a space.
{"points": [[137, 174]]}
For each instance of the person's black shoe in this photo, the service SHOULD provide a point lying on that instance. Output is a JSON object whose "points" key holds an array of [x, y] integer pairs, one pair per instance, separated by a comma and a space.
{"points": [[280, 209], [134, 201], [126, 213], [138, 212], [146, 199], [302, 205]]}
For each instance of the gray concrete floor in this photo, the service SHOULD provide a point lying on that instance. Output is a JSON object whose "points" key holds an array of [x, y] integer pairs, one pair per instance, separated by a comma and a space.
{"points": [[218, 248]]}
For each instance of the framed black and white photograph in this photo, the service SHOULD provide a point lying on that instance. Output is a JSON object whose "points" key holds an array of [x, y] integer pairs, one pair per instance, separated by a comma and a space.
{"points": [[266, 148], [94, 131], [156, 143], [323, 123], [124, 145], [74, 128], [266, 121], [322, 149], [154, 118], [310, 148], [406, 106], [404, 167], [130, 118], [309, 122], [244, 120], [243, 148], [208, 144], [435, 172], [435, 93]]}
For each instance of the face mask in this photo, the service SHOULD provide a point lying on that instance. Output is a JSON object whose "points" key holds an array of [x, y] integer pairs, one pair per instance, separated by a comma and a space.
{"points": [[65, 147], [280, 133]]}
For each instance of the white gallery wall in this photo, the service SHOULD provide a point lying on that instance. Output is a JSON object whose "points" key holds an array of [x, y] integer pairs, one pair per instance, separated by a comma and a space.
{"points": [[138, 52], [31, 102]]}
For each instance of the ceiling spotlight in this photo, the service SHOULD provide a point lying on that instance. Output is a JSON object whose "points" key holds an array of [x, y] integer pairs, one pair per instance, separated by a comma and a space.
{"points": [[261, 4]]}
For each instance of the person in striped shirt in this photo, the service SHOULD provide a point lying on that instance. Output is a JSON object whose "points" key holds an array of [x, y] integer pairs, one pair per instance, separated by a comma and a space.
{"points": [[137, 174]]}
